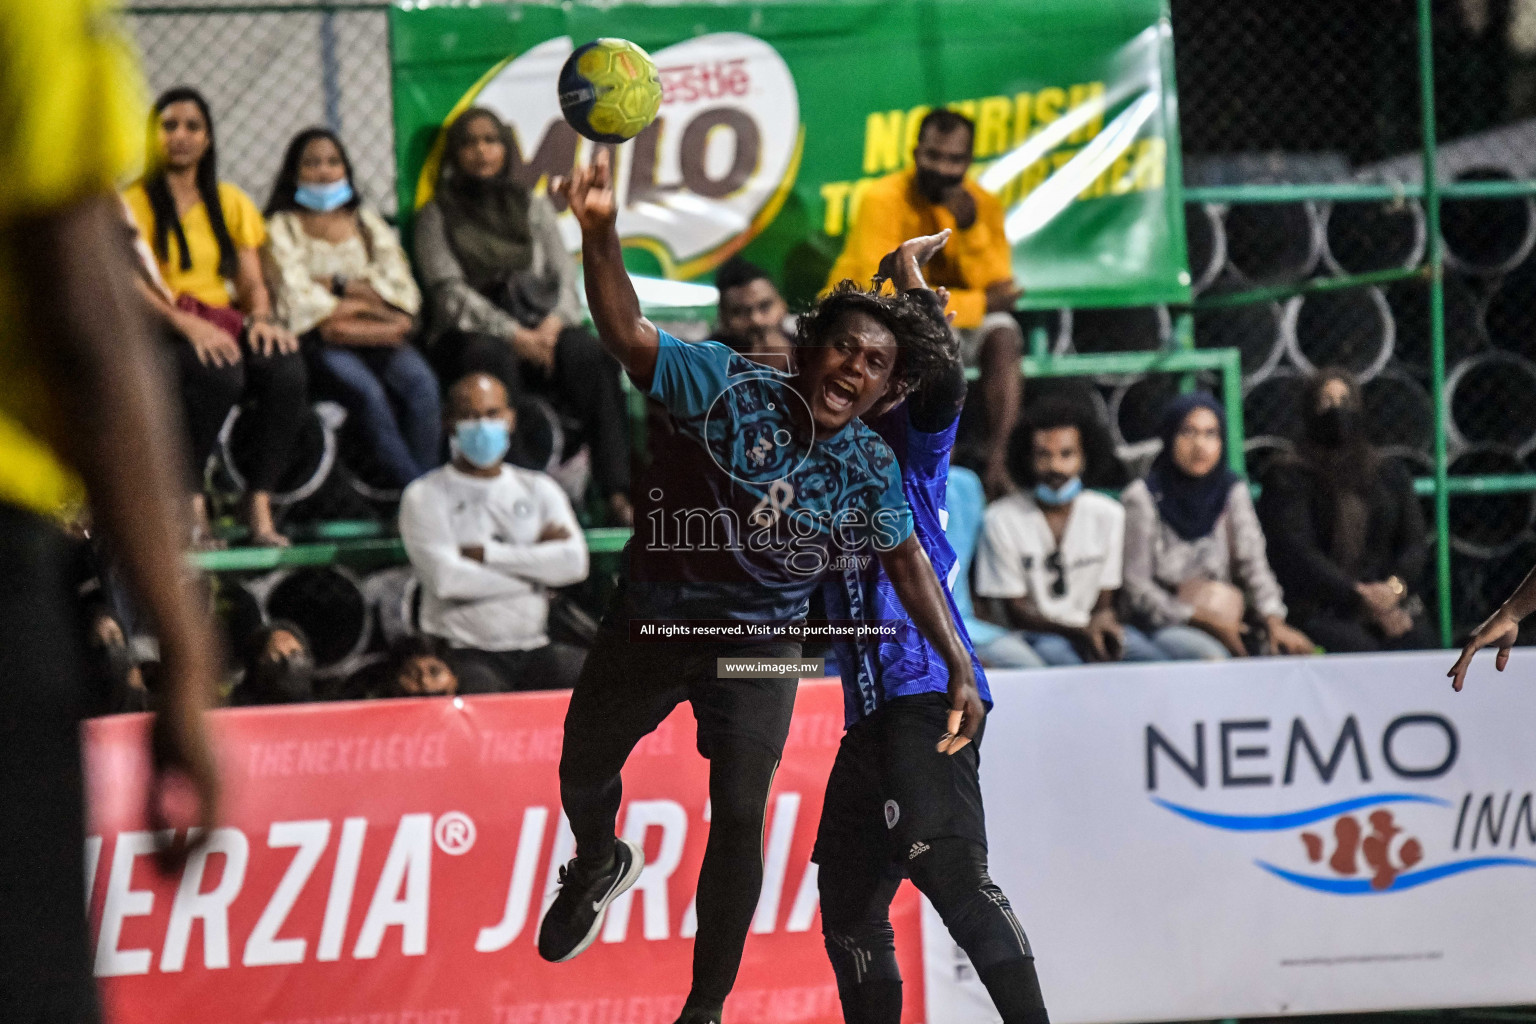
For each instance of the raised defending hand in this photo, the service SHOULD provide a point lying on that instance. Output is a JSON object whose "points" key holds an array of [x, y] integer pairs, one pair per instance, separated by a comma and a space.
{"points": [[1501, 630], [589, 191], [903, 266]]}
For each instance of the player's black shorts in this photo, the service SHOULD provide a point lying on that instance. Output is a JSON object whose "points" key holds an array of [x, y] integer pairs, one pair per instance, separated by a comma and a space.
{"points": [[891, 794], [45, 967], [627, 688]]}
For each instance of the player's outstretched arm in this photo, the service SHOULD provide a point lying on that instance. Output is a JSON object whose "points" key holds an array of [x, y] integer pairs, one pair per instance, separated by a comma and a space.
{"points": [[921, 595], [1501, 630], [81, 308], [624, 331]]}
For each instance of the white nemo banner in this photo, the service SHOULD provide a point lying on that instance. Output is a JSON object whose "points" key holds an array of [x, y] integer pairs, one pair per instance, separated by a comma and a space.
{"points": [[1276, 836]]}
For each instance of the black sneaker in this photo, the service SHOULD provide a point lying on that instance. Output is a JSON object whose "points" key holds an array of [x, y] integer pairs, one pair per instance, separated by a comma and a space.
{"points": [[572, 921], [694, 1015]]}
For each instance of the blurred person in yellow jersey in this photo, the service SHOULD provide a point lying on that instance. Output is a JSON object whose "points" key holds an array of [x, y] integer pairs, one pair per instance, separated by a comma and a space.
{"points": [[976, 267], [82, 405]]}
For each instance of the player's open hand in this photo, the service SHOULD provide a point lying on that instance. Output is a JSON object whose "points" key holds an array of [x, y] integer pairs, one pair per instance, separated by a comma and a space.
{"points": [[1501, 630], [589, 191], [903, 265], [966, 712]]}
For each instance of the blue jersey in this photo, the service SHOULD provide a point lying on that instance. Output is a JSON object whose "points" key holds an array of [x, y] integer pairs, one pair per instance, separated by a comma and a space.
{"points": [[874, 671], [739, 515]]}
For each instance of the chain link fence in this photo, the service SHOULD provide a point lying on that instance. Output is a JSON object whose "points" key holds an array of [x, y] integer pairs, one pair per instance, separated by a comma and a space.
{"points": [[271, 69]]}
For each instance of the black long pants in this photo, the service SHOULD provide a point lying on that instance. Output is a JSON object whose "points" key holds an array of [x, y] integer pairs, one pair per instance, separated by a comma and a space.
{"points": [[272, 390], [1339, 634], [555, 666], [896, 807], [45, 966], [585, 383], [625, 691]]}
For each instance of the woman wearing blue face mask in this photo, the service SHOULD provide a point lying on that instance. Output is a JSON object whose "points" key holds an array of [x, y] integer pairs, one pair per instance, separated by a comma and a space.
{"points": [[341, 282]]}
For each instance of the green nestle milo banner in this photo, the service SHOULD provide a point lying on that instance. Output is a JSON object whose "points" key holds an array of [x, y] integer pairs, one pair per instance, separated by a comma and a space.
{"points": [[776, 113]]}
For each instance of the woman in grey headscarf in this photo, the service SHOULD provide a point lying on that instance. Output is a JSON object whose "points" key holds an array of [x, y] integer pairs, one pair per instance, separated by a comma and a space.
{"points": [[502, 292]]}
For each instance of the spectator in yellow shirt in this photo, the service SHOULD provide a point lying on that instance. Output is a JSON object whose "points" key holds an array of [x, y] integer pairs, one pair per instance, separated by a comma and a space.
{"points": [[80, 393], [206, 235], [976, 266]]}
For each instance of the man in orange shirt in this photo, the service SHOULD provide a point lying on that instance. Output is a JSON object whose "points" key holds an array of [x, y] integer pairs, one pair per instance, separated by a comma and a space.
{"points": [[976, 266]]}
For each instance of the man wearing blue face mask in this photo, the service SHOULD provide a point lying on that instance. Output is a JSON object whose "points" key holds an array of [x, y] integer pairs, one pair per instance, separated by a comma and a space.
{"points": [[487, 540], [1050, 556]]}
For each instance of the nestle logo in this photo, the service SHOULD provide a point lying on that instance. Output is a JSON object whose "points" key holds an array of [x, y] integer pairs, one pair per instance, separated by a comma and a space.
{"points": [[706, 80]]}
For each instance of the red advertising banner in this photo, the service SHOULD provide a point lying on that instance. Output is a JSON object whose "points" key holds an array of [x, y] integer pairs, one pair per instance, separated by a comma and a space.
{"points": [[388, 862]]}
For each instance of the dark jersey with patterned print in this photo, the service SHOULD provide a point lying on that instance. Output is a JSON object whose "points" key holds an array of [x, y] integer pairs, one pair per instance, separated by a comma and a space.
{"points": [[740, 515]]}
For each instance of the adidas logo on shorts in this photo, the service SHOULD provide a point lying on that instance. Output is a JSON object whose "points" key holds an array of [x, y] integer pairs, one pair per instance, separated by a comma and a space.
{"points": [[918, 847]]}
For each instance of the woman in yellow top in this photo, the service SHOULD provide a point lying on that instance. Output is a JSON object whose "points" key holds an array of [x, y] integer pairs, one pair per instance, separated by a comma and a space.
{"points": [[206, 235]]}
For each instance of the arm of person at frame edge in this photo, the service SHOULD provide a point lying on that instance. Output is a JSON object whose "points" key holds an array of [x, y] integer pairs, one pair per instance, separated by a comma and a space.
{"points": [[1500, 631], [912, 576], [80, 306], [624, 331]]}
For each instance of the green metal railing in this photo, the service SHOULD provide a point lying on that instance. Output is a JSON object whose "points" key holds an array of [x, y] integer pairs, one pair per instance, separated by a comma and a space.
{"points": [[359, 544]]}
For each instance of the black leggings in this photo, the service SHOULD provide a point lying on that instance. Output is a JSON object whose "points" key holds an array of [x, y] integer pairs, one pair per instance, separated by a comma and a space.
{"points": [[626, 690], [272, 390], [585, 383], [856, 923]]}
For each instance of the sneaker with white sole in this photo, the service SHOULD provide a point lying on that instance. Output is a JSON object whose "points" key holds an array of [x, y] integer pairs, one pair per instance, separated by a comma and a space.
{"points": [[573, 920]]}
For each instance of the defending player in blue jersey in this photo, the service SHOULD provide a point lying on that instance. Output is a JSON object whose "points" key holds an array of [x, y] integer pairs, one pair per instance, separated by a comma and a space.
{"points": [[896, 805]]}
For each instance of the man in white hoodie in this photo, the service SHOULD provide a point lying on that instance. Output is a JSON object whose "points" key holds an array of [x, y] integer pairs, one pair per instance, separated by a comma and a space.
{"points": [[487, 540]]}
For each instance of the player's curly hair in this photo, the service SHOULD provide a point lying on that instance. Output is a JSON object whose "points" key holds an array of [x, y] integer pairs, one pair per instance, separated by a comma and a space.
{"points": [[924, 344]]}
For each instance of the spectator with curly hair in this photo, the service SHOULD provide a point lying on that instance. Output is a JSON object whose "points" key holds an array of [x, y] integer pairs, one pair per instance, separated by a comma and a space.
{"points": [[229, 349], [502, 291], [1050, 555], [341, 282]]}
